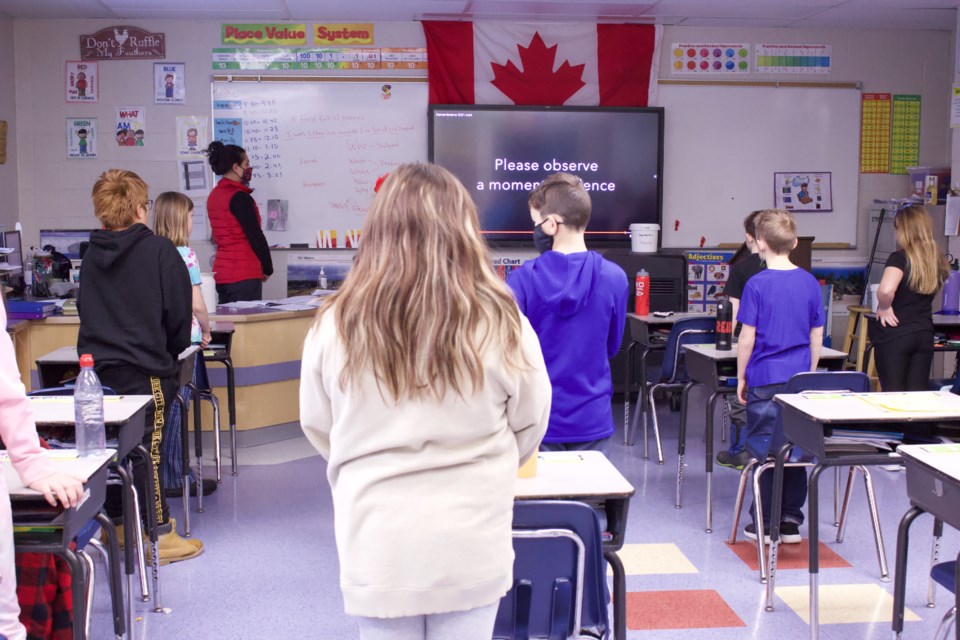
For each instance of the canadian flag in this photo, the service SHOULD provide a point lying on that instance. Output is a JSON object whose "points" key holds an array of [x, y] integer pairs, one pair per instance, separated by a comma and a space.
{"points": [[542, 64]]}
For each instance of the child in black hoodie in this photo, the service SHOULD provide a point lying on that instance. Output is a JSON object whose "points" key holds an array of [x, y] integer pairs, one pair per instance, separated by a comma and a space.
{"points": [[135, 312]]}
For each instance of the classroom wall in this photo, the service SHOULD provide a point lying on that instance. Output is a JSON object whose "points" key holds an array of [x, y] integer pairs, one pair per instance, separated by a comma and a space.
{"points": [[919, 62], [8, 112], [910, 62], [55, 191]]}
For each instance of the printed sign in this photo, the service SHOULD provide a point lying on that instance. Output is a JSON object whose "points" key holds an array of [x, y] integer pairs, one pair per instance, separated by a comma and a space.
{"points": [[337, 33], [122, 42], [278, 34], [81, 137], [707, 274], [192, 136], [793, 58], [807, 191], [81, 81], [710, 58], [131, 126], [228, 130], [169, 83]]}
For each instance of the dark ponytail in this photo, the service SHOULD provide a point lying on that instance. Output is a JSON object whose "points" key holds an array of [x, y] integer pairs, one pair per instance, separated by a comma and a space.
{"points": [[222, 157]]}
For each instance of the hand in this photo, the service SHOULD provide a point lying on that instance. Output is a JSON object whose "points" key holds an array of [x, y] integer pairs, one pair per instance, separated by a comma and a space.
{"points": [[742, 389], [265, 278], [67, 488], [887, 317], [205, 339]]}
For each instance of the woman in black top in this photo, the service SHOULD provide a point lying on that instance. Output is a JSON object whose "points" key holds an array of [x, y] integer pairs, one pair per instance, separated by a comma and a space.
{"points": [[902, 333]]}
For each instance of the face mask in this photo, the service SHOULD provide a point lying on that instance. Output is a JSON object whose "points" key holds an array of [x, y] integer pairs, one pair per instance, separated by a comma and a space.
{"points": [[541, 239], [247, 176]]}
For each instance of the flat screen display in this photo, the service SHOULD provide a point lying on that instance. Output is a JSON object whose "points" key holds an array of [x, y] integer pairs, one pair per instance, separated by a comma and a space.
{"points": [[66, 241], [502, 153]]}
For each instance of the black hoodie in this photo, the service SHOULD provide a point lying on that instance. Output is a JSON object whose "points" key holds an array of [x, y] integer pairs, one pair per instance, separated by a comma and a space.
{"points": [[134, 302]]}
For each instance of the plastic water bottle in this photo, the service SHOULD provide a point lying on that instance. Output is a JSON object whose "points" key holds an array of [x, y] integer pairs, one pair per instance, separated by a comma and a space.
{"points": [[724, 324], [88, 407], [951, 294], [642, 295]]}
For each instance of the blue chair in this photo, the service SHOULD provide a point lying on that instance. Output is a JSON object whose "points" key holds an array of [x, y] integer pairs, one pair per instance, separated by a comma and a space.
{"points": [[945, 574], [824, 381], [673, 373], [559, 575]]}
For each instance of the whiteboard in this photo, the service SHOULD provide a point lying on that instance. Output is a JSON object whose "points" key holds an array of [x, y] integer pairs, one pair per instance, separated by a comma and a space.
{"points": [[723, 143], [317, 148]]}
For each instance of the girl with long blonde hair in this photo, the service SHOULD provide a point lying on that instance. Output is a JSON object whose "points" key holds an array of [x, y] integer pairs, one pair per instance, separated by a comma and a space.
{"points": [[425, 388], [902, 334]]}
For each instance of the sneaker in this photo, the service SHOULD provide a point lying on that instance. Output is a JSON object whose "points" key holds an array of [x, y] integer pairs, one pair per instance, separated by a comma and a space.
{"points": [[750, 532], [209, 486], [733, 460], [789, 533]]}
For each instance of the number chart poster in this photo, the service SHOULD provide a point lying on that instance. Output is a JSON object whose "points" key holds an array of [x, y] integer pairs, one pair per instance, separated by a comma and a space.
{"points": [[905, 149], [875, 133], [707, 274], [710, 59]]}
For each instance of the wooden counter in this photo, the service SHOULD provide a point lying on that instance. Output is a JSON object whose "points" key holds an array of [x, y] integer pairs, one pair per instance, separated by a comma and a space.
{"points": [[266, 352]]}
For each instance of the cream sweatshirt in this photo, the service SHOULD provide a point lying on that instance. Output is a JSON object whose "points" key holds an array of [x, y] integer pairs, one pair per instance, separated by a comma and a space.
{"points": [[422, 490]]}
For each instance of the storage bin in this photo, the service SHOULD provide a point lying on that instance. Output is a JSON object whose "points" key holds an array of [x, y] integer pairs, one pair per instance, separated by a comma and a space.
{"points": [[918, 181]]}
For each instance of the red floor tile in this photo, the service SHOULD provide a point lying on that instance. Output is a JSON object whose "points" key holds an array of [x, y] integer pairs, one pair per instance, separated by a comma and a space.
{"points": [[700, 609], [789, 556]]}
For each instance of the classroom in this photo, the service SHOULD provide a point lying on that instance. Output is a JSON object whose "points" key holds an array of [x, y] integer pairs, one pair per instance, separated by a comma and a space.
{"points": [[843, 112]]}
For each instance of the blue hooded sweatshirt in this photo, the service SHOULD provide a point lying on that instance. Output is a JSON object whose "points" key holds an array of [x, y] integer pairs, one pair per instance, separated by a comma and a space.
{"points": [[577, 304]]}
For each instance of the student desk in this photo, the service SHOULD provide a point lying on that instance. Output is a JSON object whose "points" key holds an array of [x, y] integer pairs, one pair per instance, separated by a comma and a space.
{"points": [[649, 332], [717, 371], [125, 420], [809, 418], [588, 476], [933, 486], [40, 528]]}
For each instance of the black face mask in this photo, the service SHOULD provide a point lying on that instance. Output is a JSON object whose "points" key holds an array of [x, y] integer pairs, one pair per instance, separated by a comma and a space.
{"points": [[541, 239]]}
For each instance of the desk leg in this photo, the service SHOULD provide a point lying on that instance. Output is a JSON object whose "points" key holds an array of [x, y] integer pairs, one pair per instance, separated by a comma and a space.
{"points": [[708, 438], [934, 557], [628, 375], [232, 409], [619, 595], [813, 532], [682, 439], [153, 527], [197, 443], [641, 412], [184, 461], [776, 498], [116, 583], [900, 568], [79, 592]]}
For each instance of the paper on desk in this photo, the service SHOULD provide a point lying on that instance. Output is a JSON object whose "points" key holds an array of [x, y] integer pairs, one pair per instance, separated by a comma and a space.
{"points": [[913, 402], [244, 304]]}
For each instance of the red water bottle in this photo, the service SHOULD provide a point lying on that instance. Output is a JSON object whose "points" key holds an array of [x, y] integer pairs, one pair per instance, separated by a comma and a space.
{"points": [[724, 324], [642, 296]]}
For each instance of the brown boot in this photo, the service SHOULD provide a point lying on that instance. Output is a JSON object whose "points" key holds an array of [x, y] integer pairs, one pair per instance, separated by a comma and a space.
{"points": [[173, 548]]}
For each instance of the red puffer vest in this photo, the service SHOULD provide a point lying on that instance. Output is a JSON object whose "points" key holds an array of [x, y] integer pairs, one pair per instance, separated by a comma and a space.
{"points": [[235, 260]]}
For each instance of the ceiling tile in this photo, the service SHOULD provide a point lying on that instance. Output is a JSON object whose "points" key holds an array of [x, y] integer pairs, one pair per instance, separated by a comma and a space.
{"points": [[736, 23], [552, 9], [56, 9], [855, 17]]}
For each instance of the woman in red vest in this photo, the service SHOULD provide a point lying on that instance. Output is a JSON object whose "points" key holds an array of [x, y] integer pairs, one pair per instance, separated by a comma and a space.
{"points": [[242, 262]]}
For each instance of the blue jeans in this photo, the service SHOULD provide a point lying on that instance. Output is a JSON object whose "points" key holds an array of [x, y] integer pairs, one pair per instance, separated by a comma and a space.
{"points": [[737, 412], [592, 445], [764, 437]]}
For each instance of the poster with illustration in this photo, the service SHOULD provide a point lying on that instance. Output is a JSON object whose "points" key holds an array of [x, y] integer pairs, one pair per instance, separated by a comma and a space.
{"points": [[316, 273], [809, 191], [131, 125], [277, 211], [81, 138], [707, 274], [81, 80], [192, 135], [169, 83]]}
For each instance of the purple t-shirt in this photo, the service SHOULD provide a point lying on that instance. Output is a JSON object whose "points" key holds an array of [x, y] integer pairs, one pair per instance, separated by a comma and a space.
{"points": [[783, 306]]}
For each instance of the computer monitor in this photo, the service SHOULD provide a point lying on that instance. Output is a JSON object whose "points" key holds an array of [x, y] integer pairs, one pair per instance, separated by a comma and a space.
{"points": [[11, 240], [65, 241]]}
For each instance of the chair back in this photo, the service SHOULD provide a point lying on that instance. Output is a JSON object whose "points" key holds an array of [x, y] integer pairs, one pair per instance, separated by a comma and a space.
{"points": [[944, 574], [685, 331], [559, 576]]}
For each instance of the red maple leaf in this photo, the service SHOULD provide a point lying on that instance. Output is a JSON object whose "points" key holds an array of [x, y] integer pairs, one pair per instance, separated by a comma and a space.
{"points": [[538, 83]]}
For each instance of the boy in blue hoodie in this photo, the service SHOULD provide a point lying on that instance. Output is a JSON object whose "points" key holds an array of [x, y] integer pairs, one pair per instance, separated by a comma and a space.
{"points": [[577, 303]]}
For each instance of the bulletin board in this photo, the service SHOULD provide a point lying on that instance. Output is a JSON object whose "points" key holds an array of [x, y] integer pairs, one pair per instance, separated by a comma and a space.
{"points": [[318, 145], [723, 142]]}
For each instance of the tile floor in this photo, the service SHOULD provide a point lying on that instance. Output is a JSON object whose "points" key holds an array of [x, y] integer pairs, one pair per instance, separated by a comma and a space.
{"points": [[269, 569]]}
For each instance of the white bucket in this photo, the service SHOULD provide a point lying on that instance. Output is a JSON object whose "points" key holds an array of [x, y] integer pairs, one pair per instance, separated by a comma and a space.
{"points": [[208, 288], [643, 238], [874, 303]]}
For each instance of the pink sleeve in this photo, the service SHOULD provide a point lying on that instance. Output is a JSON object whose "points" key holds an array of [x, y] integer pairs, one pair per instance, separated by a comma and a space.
{"points": [[17, 428]]}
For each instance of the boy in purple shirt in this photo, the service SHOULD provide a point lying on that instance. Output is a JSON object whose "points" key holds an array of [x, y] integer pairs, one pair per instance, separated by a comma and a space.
{"points": [[782, 334]]}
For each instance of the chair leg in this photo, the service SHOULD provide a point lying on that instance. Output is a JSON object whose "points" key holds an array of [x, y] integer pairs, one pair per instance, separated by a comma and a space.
{"points": [[875, 520], [91, 576], [216, 434], [949, 619], [724, 421], [934, 558], [836, 496], [741, 491], [758, 519], [141, 555], [842, 522], [656, 425]]}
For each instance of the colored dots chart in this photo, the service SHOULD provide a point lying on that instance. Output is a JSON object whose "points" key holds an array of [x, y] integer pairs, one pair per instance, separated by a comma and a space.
{"points": [[875, 133], [700, 59], [905, 148], [793, 58]]}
